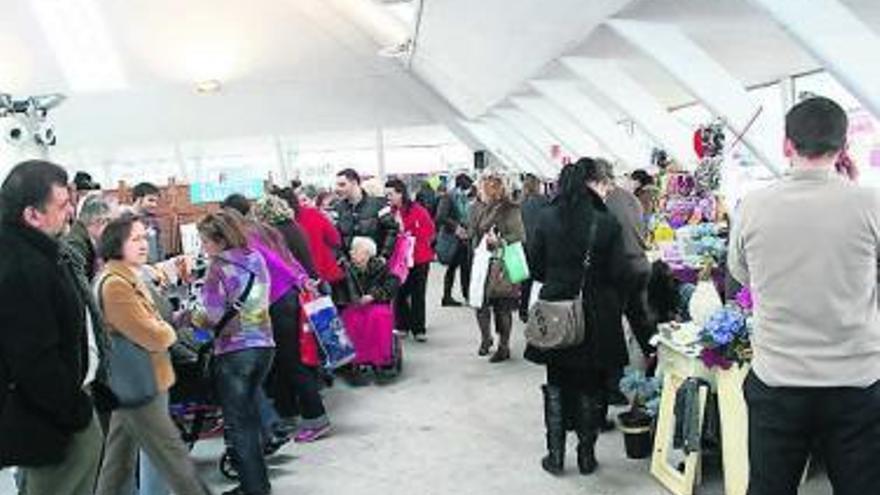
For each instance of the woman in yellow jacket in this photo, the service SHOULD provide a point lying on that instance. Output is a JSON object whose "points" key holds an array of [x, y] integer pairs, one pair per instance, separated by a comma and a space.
{"points": [[129, 309]]}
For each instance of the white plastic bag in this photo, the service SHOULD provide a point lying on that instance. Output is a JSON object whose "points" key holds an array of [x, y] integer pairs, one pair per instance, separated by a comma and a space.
{"points": [[479, 273]]}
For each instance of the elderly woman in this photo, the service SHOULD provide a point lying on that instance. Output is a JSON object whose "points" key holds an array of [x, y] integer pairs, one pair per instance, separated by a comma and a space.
{"points": [[369, 319], [129, 310], [497, 219]]}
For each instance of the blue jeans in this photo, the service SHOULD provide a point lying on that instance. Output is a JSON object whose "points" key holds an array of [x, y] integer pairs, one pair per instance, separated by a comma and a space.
{"points": [[151, 480], [240, 377], [269, 418]]}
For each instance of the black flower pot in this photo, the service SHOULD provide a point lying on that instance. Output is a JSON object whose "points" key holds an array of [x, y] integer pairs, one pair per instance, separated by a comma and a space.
{"points": [[636, 428]]}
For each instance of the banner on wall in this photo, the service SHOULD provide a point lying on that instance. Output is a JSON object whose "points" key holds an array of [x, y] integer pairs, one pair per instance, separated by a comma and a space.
{"points": [[214, 192]]}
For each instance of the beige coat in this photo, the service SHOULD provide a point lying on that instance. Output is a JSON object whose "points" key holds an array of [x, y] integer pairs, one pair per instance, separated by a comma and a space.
{"points": [[129, 309]]}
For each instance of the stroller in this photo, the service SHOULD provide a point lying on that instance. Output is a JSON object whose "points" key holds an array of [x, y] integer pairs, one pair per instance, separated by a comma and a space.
{"points": [[193, 406]]}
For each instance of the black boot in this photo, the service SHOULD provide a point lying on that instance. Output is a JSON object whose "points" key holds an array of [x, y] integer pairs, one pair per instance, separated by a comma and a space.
{"points": [[554, 461], [603, 424], [587, 432]]}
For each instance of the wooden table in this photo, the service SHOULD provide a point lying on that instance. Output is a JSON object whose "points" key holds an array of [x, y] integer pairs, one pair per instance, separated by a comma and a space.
{"points": [[679, 360]]}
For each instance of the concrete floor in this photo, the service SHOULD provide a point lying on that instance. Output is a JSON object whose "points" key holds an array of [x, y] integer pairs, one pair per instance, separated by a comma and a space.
{"points": [[452, 423]]}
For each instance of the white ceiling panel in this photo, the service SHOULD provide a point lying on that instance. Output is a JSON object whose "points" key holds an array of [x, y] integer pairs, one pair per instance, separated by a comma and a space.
{"points": [[476, 53]]}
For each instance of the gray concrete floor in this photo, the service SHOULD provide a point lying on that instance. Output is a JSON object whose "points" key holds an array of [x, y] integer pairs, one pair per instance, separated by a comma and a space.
{"points": [[452, 423]]}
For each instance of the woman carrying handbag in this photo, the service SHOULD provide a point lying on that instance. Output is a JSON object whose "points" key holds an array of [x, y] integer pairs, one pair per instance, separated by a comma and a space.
{"points": [[577, 250], [141, 419], [496, 222]]}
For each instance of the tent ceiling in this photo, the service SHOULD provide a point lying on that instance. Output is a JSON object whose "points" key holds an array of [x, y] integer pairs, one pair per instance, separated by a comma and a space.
{"points": [[295, 66], [282, 72]]}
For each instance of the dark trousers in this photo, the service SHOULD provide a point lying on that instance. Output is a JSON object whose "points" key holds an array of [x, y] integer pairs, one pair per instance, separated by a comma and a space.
{"points": [[461, 262], [787, 423], [635, 308], [239, 378], [409, 305], [293, 385]]}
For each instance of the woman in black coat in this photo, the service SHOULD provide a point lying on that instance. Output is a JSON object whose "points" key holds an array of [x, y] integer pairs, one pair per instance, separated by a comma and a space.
{"points": [[576, 375]]}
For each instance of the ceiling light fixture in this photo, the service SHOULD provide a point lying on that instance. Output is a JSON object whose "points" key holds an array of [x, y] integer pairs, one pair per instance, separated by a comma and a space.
{"points": [[208, 86]]}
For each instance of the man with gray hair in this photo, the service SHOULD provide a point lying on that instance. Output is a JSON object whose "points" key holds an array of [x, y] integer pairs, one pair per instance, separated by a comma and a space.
{"points": [[94, 214]]}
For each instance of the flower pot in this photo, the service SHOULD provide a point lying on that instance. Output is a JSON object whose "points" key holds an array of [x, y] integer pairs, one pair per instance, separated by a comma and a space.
{"points": [[636, 428]]}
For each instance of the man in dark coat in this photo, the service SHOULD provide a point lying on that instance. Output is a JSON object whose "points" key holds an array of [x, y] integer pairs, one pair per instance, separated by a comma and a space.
{"points": [[51, 346], [84, 234], [533, 202], [627, 209], [360, 215]]}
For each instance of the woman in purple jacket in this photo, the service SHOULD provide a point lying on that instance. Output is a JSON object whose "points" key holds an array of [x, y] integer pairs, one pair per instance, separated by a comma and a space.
{"points": [[293, 384], [244, 347]]}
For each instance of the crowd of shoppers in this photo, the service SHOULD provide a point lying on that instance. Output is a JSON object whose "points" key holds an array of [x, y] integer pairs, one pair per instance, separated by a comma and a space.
{"points": [[83, 284]]}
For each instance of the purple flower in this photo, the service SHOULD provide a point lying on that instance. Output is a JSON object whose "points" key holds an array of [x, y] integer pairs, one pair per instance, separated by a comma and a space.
{"points": [[744, 299], [712, 358]]}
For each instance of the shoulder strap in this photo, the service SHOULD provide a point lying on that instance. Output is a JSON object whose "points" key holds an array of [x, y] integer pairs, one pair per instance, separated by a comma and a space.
{"points": [[591, 243], [236, 306]]}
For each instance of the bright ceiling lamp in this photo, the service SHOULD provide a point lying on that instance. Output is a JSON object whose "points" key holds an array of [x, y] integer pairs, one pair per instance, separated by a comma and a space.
{"points": [[78, 35]]}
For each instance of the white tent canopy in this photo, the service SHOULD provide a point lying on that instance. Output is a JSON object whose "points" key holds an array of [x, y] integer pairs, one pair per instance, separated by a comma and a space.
{"points": [[292, 71]]}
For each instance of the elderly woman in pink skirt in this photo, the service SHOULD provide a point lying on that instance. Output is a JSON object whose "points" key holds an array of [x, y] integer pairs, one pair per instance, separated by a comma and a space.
{"points": [[370, 319]]}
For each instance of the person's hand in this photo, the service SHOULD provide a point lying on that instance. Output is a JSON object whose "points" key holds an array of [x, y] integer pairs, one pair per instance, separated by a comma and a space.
{"points": [[368, 299], [491, 239], [182, 318], [461, 232]]}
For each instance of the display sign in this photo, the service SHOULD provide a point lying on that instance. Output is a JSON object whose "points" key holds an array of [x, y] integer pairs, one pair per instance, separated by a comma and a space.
{"points": [[214, 192]]}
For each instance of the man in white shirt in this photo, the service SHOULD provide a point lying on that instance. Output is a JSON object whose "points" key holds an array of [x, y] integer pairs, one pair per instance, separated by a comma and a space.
{"points": [[808, 247]]}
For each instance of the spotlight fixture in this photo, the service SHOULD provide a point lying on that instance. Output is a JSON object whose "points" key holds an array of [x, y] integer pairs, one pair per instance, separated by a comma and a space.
{"points": [[45, 134], [208, 86]]}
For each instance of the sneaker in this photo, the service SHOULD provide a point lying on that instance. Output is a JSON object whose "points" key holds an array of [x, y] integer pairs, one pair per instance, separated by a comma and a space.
{"points": [[275, 443], [308, 435], [449, 302]]}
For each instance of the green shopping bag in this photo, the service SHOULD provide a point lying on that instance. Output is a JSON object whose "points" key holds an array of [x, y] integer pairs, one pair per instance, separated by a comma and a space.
{"points": [[515, 264]]}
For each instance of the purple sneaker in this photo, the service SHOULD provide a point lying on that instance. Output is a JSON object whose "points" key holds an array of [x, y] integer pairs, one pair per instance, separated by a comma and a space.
{"points": [[308, 435]]}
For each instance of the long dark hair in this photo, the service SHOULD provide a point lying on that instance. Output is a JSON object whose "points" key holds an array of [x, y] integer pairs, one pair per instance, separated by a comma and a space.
{"points": [[575, 200], [400, 188]]}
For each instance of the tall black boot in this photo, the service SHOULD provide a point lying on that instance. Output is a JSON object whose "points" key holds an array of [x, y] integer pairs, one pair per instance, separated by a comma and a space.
{"points": [[587, 432], [554, 461]]}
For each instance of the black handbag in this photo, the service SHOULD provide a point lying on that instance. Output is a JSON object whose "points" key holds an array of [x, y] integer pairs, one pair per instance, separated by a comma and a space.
{"points": [[446, 247]]}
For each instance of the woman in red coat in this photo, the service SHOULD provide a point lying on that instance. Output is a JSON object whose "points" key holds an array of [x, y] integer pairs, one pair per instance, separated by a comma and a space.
{"points": [[324, 241], [416, 221]]}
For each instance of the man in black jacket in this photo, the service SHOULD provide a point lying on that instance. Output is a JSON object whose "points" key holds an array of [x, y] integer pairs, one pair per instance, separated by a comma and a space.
{"points": [[51, 346], [360, 215], [93, 216]]}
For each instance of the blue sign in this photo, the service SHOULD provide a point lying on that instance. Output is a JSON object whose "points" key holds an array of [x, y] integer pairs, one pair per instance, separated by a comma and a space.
{"points": [[215, 192]]}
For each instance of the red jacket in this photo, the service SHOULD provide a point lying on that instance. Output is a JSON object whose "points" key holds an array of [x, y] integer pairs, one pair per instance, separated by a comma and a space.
{"points": [[324, 242], [418, 222]]}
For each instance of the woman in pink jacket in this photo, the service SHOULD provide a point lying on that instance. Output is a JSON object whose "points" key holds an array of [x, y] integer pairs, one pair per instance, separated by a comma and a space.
{"points": [[415, 221]]}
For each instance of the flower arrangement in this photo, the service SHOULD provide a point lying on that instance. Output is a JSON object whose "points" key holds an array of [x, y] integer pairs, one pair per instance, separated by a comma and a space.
{"points": [[725, 337], [644, 392]]}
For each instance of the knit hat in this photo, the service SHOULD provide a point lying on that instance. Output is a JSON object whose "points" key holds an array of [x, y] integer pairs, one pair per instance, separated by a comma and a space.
{"points": [[273, 210]]}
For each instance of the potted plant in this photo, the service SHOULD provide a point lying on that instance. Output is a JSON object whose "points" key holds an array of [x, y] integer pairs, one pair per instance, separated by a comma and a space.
{"points": [[644, 393]]}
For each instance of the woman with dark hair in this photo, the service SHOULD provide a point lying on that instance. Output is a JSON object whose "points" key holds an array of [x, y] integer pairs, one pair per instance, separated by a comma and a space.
{"points": [[415, 220], [130, 310], [244, 348], [577, 249], [497, 219]]}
